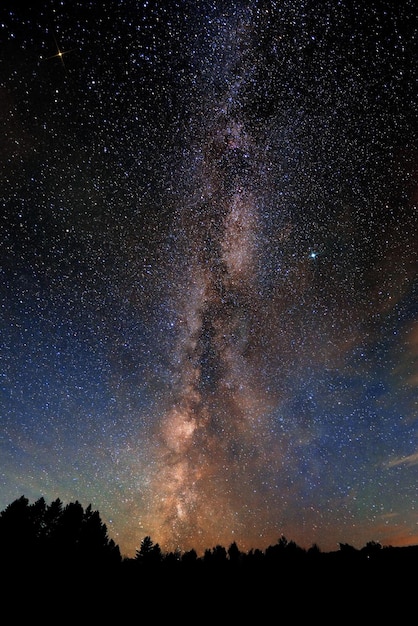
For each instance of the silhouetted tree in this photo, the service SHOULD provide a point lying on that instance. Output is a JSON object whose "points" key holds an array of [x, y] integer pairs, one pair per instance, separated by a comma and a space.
{"points": [[234, 553], [254, 556], [314, 550], [17, 532], [172, 558], [94, 543], [219, 554], [347, 549], [145, 548], [207, 556], [371, 550], [189, 558], [44, 536], [149, 553], [215, 557], [67, 532]]}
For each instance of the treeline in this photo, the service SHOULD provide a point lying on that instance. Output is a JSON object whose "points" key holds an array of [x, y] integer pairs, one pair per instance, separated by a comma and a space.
{"points": [[57, 563], [41, 537], [53, 534]]}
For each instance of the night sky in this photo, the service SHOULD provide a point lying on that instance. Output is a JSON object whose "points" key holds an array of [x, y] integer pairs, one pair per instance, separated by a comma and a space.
{"points": [[209, 268]]}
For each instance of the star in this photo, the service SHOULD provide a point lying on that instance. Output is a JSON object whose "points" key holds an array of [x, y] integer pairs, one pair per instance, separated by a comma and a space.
{"points": [[59, 54]]}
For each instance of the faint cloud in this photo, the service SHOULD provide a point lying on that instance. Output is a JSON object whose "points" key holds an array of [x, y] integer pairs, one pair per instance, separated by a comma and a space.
{"points": [[411, 459]]}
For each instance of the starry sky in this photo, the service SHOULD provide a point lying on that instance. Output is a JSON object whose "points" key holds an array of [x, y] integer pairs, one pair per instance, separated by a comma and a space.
{"points": [[209, 268]]}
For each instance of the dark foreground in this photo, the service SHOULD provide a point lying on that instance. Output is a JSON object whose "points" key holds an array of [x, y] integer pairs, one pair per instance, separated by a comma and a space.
{"points": [[331, 589]]}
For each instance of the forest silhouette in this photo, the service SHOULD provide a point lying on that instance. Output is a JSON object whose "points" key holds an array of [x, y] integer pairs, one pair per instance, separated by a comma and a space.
{"points": [[64, 554]]}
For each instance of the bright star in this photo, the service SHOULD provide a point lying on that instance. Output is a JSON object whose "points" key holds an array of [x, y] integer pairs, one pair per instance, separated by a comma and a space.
{"points": [[60, 53]]}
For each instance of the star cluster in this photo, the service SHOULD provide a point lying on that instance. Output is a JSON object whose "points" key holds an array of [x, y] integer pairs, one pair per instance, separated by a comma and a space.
{"points": [[209, 268]]}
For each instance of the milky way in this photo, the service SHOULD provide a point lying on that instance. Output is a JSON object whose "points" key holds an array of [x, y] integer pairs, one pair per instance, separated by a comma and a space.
{"points": [[209, 269], [213, 439]]}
